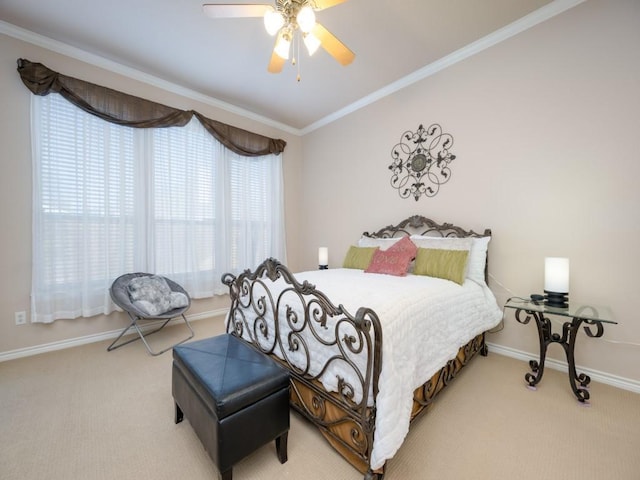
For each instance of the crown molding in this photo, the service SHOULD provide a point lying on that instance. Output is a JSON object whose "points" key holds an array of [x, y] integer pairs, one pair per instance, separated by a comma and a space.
{"points": [[101, 62], [534, 18], [542, 14]]}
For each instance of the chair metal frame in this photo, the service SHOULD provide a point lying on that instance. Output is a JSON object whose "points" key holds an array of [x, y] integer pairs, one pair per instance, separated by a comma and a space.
{"points": [[120, 297]]}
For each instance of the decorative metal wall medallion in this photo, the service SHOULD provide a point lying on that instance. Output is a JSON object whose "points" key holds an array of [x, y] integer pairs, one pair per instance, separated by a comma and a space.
{"points": [[421, 162]]}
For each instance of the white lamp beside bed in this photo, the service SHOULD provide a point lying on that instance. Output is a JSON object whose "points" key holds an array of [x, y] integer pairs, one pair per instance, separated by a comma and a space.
{"points": [[556, 282], [323, 258]]}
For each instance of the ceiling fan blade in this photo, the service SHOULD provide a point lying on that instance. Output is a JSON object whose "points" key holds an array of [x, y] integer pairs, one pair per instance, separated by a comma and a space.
{"points": [[332, 45], [237, 10], [276, 63], [322, 4]]}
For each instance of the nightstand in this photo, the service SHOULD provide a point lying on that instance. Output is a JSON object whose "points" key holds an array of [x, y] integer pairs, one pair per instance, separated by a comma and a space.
{"points": [[590, 315]]}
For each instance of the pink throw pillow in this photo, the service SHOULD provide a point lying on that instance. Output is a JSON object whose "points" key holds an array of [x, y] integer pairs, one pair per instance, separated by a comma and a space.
{"points": [[395, 260], [406, 246]]}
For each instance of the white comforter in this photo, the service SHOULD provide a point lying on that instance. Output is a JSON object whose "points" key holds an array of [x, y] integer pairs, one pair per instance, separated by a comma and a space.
{"points": [[424, 322]]}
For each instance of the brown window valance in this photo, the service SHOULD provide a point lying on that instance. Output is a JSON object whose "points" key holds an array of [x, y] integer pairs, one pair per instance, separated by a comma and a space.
{"points": [[128, 110]]}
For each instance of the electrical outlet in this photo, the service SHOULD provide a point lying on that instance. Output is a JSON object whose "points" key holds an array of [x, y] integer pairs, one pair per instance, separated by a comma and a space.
{"points": [[21, 318]]}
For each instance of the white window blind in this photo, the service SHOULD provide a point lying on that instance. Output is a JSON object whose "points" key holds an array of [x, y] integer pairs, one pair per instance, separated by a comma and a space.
{"points": [[110, 200]]}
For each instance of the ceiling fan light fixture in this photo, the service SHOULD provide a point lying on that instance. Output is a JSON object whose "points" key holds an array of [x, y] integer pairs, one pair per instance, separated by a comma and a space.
{"points": [[306, 19], [273, 21], [283, 44], [291, 22], [311, 42]]}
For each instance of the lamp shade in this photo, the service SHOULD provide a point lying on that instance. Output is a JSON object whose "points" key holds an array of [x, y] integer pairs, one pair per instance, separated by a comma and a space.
{"points": [[311, 42], [283, 44], [273, 21], [323, 256], [556, 274], [306, 19]]}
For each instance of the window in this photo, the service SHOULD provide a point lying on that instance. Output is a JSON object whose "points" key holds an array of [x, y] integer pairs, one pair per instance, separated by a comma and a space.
{"points": [[110, 200]]}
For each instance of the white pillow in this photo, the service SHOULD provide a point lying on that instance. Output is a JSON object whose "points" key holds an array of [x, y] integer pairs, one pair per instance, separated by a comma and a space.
{"points": [[478, 259], [442, 243], [477, 247], [382, 243]]}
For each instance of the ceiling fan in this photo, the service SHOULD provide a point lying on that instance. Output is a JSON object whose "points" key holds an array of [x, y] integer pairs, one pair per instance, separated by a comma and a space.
{"points": [[288, 18]]}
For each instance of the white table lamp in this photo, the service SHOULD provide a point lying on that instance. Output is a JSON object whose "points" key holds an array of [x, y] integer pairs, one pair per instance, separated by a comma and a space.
{"points": [[556, 282], [323, 258]]}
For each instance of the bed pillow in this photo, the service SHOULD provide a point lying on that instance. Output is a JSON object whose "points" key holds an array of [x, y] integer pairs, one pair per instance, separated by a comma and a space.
{"points": [[477, 251], [478, 259], [445, 243], [441, 263], [358, 257], [395, 260], [382, 243]]}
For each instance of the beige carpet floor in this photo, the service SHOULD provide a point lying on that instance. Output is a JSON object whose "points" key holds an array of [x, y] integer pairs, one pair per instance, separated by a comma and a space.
{"points": [[85, 413]]}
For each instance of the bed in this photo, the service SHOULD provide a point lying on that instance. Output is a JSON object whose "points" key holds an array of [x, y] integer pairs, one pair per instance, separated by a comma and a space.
{"points": [[369, 352]]}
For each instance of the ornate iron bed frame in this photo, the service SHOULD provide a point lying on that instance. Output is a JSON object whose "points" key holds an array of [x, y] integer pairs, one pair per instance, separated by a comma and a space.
{"points": [[348, 424]]}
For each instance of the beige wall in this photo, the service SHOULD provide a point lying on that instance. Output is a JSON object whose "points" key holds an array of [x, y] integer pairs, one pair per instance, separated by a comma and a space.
{"points": [[15, 191], [545, 127]]}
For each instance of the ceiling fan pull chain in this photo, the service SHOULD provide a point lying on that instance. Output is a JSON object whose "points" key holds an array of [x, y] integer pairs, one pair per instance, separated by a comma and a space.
{"points": [[296, 55]]}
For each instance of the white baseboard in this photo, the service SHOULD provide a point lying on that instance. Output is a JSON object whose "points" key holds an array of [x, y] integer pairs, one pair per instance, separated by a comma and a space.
{"points": [[98, 337], [602, 377]]}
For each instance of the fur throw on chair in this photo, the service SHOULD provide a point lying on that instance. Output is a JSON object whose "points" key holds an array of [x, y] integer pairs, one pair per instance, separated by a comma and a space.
{"points": [[152, 294]]}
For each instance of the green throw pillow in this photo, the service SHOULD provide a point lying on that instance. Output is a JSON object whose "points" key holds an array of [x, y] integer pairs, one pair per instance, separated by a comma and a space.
{"points": [[358, 257], [447, 264]]}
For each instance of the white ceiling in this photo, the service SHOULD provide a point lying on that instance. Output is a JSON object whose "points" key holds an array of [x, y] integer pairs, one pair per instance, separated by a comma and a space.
{"points": [[226, 59]]}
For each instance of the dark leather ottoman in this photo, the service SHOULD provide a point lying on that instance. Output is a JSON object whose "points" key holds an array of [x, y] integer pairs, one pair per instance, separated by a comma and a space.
{"points": [[235, 398]]}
